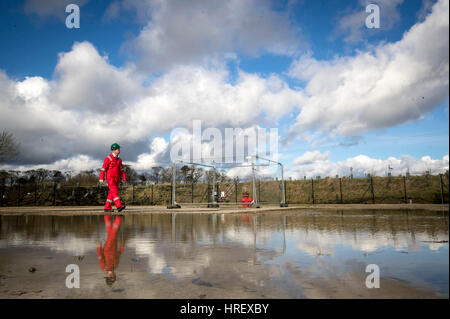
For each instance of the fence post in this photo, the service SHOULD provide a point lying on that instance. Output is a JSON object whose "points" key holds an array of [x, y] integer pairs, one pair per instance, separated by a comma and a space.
{"points": [[171, 193], [372, 190], [312, 190], [259, 190], [54, 193], [285, 193], [98, 192], [218, 191], [442, 188], [173, 188], [404, 189], [3, 192], [18, 194], [78, 192]]}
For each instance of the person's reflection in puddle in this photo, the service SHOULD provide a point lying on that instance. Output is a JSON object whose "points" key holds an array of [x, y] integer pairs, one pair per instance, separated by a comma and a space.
{"points": [[109, 256]]}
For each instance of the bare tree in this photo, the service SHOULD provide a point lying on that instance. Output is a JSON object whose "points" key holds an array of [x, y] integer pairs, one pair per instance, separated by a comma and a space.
{"points": [[39, 175], [131, 174], [155, 174], [9, 148], [210, 174], [84, 178], [184, 171], [166, 175], [195, 173], [143, 178]]}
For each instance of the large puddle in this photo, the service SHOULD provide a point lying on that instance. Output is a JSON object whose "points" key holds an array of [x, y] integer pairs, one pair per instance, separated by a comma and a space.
{"points": [[304, 254]]}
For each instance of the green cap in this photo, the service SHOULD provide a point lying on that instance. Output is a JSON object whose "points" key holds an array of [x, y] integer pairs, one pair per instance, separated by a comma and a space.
{"points": [[115, 146]]}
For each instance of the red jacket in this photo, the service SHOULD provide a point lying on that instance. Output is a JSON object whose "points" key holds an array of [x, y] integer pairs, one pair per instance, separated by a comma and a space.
{"points": [[109, 258], [113, 168]]}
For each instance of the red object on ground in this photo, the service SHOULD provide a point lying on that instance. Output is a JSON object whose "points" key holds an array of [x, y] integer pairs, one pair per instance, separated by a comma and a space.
{"points": [[109, 258], [113, 168], [246, 199]]}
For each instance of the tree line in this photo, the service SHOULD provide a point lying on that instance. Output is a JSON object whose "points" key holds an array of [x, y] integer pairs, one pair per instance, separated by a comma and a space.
{"points": [[156, 175]]}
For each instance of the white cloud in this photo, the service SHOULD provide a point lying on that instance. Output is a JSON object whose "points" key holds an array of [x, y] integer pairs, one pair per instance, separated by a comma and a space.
{"points": [[74, 164], [90, 104], [32, 88], [84, 80], [158, 148], [187, 93], [393, 84], [158, 153], [60, 242], [363, 164], [311, 157], [186, 32], [161, 260], [318, 242]]}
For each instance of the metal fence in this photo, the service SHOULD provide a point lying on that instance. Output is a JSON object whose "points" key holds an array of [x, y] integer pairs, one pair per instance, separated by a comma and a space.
{"points": [[345, 190], [389, 190], [55, 194]]}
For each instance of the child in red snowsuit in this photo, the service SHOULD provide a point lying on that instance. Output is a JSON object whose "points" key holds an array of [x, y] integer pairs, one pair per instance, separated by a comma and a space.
{"points": [[113, 168]]}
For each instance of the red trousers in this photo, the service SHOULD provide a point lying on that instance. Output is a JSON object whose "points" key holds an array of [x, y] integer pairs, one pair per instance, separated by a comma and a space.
{"points": [[109, 256], [113, 195]]}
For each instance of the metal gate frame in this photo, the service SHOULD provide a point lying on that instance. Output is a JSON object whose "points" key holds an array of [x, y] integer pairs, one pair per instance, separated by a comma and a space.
{"points": [[255, 202]]}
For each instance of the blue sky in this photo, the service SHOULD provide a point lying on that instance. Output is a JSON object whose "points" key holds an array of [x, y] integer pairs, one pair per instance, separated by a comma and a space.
{"points": [[265, 40], [39, 39]]}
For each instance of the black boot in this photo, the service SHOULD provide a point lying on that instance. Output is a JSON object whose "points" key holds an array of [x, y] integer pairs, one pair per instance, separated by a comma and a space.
{"points": [[121, 208]]}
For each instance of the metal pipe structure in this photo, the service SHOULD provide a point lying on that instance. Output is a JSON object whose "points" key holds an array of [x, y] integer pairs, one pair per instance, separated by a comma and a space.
{"points": [[283, 193], [224, 166], [174, 203], [214, 203], [255, 197]]}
